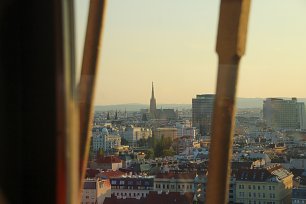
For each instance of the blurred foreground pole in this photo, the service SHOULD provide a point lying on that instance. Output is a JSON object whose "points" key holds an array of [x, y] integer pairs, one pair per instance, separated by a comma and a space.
{"points": [[92, 51], [231, 40]]}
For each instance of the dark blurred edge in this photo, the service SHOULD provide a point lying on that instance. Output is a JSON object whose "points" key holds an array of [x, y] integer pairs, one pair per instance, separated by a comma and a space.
{"points": [[29, 41]]}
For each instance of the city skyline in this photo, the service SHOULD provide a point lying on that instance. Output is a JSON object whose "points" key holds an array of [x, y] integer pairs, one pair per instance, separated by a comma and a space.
{"points": [[174, 44]]}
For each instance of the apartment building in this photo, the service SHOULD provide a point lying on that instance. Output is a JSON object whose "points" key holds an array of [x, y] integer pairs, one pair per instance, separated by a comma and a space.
{"points": [[95, 191], [269, 185], [174, 182], [132, 186]]}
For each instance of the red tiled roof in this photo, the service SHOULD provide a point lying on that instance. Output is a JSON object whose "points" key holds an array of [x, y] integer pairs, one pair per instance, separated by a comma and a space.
{"points": [[91, 173], [108, 160], [111, 174]]}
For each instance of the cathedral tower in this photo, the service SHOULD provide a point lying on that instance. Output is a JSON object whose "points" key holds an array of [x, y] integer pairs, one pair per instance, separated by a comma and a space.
{"points": [[153, 104]]}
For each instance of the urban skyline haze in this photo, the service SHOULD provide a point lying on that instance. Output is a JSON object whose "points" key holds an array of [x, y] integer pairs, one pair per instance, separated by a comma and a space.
{"points": [[173, 44]]}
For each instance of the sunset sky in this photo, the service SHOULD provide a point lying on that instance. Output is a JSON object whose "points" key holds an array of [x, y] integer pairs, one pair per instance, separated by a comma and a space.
{"points": [[172, 42]]}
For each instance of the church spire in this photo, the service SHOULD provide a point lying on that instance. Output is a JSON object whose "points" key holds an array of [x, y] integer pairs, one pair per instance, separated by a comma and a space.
{"points": [[152, 96], [153, 104]]}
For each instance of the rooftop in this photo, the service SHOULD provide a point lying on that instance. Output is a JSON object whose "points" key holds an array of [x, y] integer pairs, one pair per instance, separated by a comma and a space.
{"points": [[171, 175], [108, 159]]}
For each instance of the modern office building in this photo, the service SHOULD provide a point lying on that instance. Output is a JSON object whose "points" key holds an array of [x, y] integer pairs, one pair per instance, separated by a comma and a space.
{"points": [[284, 114], [202, 110]]}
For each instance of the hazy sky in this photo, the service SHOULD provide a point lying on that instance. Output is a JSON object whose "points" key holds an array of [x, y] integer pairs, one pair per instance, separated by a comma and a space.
{"points": [[172, 42]]}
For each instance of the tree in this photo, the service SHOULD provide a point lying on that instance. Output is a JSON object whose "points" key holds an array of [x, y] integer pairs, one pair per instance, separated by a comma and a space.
{"points": [[149, 154], [169, 152], [151, 142], [100, 153], [158, 149], [124, 141], [167, 142], [163, 147], [142, 142]]}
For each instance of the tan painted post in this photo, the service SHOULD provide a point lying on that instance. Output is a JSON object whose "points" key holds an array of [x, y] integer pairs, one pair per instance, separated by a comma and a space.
{"points": [[231, 40], [92, 50]]}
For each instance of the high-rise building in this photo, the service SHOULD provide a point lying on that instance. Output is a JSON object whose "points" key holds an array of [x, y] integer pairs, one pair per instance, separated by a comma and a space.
{"points": [[284, 114], [202, 109]]}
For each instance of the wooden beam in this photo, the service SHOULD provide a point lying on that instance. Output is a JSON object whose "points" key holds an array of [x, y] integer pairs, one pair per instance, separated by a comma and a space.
{"points": [[231, 40], [92, 51]]}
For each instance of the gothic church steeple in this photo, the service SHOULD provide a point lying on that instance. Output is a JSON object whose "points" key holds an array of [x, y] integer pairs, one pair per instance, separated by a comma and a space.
{"points": [[153, 103]]}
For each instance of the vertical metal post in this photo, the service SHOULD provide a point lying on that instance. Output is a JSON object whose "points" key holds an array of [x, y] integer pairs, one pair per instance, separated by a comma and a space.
{"points": [[231, 40], [92, 50]]}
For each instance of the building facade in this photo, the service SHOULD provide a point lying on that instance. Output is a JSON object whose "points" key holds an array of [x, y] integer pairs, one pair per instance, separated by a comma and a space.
{"points": [[200, 185], [133, 134], [132, 186], [159, 133], [95, 191], [284, 114], [269, 185], [107, 163], [202, 110], [174, 182], [104, 140]]}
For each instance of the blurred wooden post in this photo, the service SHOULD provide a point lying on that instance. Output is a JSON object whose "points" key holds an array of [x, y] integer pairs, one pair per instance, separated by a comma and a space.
{"points": [[92, 51], [231, 40]]}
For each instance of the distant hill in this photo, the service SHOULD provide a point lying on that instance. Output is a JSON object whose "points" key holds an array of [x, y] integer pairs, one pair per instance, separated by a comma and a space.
{"points": [[137, 107], [241, 103]]}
